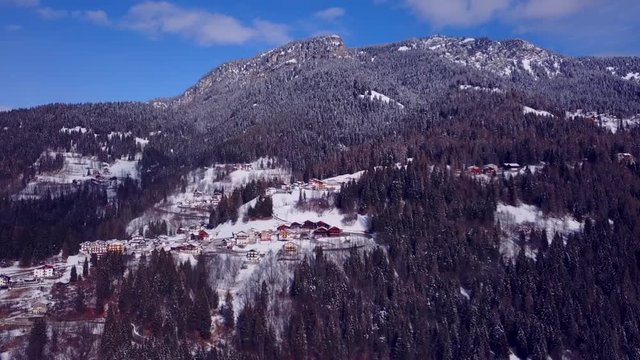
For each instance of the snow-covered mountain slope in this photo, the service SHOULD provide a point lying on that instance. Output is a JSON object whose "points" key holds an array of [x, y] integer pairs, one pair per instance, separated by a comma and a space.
{"points": [[504, 58]]}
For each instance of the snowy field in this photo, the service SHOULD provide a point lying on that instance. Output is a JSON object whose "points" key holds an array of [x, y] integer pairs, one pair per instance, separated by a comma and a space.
{"points": [[527, 110], [607, 121], [77, 168], [204, 181], [525, 217]]}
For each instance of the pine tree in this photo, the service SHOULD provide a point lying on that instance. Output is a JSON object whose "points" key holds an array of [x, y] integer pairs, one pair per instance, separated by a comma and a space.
{"points": [[37, 340], [74, 274], [79, 301], [85, 268], [227, 311]]}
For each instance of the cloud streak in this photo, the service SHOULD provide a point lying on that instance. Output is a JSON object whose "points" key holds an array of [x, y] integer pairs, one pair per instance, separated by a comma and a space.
{"points": [[205, 28], [20, 3], [330, 14], [467, 13]]}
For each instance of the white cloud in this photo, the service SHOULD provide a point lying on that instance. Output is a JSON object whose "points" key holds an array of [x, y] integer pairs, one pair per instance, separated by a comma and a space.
{"points": [[551, 9], [330, 14], [474, 12], [22, 3], [97, 17], [457, 12], [13, 27], [204, 27], [52, 14]]}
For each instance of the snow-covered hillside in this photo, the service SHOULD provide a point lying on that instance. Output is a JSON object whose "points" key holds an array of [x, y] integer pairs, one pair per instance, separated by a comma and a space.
{"points": [[527, 110], [202, 183], [76, 169], [376, 96], [514, 219], [607, 121]]}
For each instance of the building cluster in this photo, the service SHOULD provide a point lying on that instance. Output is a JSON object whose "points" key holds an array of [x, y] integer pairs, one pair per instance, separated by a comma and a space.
{"points": [[293, 231], [138, 245], [202, 201], [493, 169], [101, 247]]}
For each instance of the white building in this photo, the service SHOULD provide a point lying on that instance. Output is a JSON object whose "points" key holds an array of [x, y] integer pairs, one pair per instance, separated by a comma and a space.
{"points": [[43, 272]]}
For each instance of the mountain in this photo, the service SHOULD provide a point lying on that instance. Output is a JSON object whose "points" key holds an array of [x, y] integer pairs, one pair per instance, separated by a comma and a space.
{"points": [[538, 258], [320, 95], [403, 68]]}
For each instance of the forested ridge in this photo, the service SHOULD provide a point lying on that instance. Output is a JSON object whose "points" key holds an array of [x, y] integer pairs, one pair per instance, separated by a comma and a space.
{"points": [[437, 285]]}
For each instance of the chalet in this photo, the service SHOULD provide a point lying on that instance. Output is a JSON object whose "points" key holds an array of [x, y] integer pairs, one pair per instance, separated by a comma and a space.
{"points": [[115, 247], [253, 255], [282, 227], [241, 238], [490, 169], [290, 249], [266, 235], [4, 281], [43, 272], [202, 235], [309, 225], [39, 308], [474, 170], [319, 232], [295, 226], [322, 224], [334, 231], [626, 158], [317, 184], [511, 166], [283, 234]]}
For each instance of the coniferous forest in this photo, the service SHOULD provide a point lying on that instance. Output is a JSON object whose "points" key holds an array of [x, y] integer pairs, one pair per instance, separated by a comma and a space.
{"points": [[436, 285]]}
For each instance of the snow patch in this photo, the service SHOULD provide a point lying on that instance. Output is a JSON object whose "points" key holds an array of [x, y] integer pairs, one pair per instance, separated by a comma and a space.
{"points": [[374, 95], [632, 76], [527, 110], [464, 292], [607, 121], [478, 88], [524, 217], [76, 129]]}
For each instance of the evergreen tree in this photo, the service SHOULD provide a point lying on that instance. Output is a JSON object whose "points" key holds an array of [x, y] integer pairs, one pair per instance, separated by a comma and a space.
{"points": [[37, 340], [74, 274]]}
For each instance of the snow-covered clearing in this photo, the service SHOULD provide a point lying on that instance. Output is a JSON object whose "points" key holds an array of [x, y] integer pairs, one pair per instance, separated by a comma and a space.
{"points": [[285, 211], [526, 64], [76, 129], [527, 110], [202, 183], [607, 121], [376, 96], [77, 168], [523, 217], [632, 76], [479, 88]]}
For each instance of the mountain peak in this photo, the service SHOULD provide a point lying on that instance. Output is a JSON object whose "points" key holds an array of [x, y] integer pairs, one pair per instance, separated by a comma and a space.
{"points": [[287, 56]]}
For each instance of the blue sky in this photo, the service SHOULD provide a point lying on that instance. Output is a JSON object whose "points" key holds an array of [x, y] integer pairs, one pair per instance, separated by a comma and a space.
{"points": [[89, 50]]}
